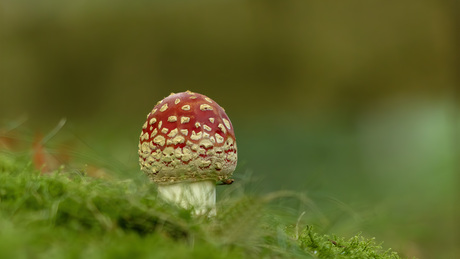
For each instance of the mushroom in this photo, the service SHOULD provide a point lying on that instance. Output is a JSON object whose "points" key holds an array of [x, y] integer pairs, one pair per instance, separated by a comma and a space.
{"points": [[186, 146]]}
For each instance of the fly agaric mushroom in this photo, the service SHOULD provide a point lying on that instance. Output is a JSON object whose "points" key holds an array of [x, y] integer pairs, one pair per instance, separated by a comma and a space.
{"points": [[186, 146]]}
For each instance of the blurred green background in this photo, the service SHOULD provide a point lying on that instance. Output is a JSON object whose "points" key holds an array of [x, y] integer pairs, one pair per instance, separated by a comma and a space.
{"points": [[352, 103]]}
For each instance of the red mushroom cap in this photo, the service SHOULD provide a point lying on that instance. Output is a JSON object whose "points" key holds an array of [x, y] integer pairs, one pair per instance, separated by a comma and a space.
{"points": [[187, 137]]}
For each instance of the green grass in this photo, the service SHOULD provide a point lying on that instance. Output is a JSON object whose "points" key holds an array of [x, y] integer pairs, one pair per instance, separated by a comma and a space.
{"points": [[70, 215]]}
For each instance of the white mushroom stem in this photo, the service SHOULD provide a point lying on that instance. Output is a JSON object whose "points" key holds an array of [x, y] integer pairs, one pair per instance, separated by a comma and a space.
{"points": [[199, 196]]}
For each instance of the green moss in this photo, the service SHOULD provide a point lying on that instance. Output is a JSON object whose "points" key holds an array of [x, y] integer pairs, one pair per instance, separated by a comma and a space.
{"points": [[325, 246], [70, 215]]}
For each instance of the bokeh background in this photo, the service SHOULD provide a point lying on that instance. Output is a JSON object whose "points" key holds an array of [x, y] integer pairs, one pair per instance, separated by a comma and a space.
{"points": [[352, 103]]}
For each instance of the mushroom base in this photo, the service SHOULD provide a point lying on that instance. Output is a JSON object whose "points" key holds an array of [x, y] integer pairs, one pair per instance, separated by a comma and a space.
{"points": [[198, 196]]}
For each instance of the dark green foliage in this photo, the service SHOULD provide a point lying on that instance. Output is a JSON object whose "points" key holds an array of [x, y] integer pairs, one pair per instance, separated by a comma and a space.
{"points": [[69, 215]]}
